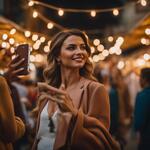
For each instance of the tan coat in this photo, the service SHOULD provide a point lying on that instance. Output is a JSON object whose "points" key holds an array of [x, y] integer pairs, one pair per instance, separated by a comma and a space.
{"points": [[11, 127], [89, 130]]}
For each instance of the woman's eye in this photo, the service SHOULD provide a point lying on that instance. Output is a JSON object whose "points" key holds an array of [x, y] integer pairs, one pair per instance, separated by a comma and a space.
{"points": [[71, 48]]}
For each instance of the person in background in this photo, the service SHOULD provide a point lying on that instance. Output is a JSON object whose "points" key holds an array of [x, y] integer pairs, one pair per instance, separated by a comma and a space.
{"points": [[12, 75], [103, 76], [142, 111], [11, 127], [123, 106], [73, 108]]}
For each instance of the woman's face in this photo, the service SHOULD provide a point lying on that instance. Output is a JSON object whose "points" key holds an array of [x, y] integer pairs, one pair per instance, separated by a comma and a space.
{"points": [[73, 52]]}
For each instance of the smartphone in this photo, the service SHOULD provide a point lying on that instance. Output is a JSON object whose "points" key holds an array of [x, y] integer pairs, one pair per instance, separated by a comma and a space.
{"points": [[23, 52]]}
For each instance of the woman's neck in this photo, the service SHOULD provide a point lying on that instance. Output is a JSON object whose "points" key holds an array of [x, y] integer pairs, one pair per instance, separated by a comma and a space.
{"points": [[70, 76]]}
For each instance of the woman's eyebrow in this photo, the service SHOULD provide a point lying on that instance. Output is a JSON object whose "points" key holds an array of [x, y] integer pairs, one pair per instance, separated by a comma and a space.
{"points": [[71, 44]]}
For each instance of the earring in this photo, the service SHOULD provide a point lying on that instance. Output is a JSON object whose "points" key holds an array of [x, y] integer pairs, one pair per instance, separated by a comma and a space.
{"points": [[58, 61]]}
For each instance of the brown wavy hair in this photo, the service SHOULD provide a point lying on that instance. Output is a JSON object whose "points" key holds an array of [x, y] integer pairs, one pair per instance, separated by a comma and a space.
{"points": [[52, 73]]}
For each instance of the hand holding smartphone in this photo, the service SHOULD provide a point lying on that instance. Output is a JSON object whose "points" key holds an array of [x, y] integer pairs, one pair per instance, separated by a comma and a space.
{"points": [[23, 53]]}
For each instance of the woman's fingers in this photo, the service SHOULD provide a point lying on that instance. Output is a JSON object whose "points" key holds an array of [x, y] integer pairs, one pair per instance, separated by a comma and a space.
{"points": [[13, 61], [14, 65], [18, 71], [44, 95], [50, 89]]}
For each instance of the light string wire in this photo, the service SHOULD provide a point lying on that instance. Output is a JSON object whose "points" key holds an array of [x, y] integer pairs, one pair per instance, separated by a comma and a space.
{"points": [[81, 10], [42, 17]]}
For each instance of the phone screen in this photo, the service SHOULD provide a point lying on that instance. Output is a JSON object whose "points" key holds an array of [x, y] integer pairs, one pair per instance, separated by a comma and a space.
{"points": [[24, 52]]}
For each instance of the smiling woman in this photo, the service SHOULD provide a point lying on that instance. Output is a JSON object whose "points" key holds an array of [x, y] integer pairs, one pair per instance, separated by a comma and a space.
{"points": [[73, 109]]}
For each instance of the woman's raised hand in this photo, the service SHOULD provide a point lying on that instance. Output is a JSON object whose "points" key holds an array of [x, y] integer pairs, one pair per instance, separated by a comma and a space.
{"points": [[60, 96], [14, 69]]}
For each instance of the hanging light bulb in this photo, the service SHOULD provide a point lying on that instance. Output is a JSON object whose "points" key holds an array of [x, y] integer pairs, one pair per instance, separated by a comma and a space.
{"points": [[35, 14], [50, 25], [46, 49], [120, 65], [93, 13], [147, 31], [143, 2], [4, 36], [96, 42], [115, 12], [110, 38], [27, 33], [42, 39], [34, 37], [30, 3], [143, 41], [60, 12], [11, 41], [13, 31], [146, 56]]}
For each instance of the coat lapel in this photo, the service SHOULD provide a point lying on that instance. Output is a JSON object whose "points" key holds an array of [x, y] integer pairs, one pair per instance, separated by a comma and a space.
{"points": [[64, 119]]}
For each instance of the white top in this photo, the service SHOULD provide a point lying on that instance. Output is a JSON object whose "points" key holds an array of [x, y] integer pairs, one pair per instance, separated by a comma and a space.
{"points": [[46, 137]]}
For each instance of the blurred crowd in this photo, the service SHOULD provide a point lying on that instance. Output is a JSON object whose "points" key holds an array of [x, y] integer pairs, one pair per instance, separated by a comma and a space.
{"points": [[129, 104], [129, 96]]}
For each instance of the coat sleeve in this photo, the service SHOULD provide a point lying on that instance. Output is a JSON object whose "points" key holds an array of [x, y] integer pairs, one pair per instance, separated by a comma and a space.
{"points": [[11, 127], [91, 130]]}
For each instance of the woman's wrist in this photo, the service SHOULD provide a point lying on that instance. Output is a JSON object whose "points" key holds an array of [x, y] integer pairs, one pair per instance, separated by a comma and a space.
{"points": [[74, 112]]}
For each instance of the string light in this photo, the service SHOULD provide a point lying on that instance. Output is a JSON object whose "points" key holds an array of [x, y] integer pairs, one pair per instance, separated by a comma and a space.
{"points": [[143, 40], [96, 58], [32, 58], [4, 36], [105, 52], [147, 31], [146, 57], [120, 65], [42, 39], [34, 37], [4, 44], [143, 2], [49, 43], [92, 49], [93, 13], [46, 49], [12, 50], [110, 38], [60, 12], [81, 10], [35, 14], [100, 48], [12, 31], [96, 42], [112, 50], [50, 25], [30, 3], [50, 21], [11, 41], [118, 51], [115, 12], [27, 33]]}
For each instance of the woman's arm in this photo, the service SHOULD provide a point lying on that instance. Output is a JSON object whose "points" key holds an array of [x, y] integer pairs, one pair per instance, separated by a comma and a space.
{"points": [[11, 127], [91, 130]]}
